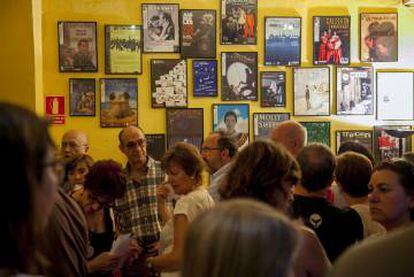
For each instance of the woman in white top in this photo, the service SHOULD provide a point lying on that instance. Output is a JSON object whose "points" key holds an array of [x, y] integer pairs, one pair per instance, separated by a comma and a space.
{"points": [[184, 166]]}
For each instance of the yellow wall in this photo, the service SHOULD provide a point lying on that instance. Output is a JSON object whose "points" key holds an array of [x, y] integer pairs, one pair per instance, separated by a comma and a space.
{"points": [[104, 141]]}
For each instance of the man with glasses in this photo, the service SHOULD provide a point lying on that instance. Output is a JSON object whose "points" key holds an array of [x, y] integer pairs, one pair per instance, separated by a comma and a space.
{"points": [[74, 142], [218, 151]]}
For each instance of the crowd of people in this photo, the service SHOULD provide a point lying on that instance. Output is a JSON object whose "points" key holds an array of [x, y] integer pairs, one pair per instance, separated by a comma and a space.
{"points": [[275, 207]]}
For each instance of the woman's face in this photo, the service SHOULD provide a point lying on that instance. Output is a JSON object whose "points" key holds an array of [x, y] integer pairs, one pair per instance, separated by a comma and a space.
{"points": [[388, 201], [179, 180], [230, 122], [77, 175]]}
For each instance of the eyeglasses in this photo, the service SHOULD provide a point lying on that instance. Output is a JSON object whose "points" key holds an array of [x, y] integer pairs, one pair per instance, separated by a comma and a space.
{"points": [[206, 149], [133, 144], [71, 144]]}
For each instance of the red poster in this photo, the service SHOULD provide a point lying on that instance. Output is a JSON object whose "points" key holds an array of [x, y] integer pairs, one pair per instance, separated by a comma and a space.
{"points": [[55, 109]]}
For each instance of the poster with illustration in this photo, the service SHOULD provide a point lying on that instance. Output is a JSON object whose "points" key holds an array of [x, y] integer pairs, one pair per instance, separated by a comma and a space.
{"points": [[387, 146], [362, 137], [155, 145], [273, 89], [318, 132], [82, 95], [264, 122], [205, 78]]}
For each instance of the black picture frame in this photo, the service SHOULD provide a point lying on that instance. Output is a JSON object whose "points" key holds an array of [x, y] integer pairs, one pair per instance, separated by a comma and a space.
{"points": [[313, 133], [369, 146], [155, 145], [82, 97], [271, 99], [260, 132], [388, 142], [207, 86]]}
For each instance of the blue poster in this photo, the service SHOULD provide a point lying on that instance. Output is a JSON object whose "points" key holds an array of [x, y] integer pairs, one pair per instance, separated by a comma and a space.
{"points": [[205, 77]]}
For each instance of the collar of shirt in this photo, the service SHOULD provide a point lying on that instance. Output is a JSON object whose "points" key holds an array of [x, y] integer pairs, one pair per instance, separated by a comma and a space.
{"points": [[220, 171], [149, 162]]}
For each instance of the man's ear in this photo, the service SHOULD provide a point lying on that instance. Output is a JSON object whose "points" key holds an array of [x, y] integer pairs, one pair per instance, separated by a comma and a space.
{"points": [[86, 148], [224, 154]]}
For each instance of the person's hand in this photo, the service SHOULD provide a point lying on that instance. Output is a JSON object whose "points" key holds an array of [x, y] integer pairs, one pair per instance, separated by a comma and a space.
{"points": [[162, 193], [134, 250], [106, 261], [153, 248]]}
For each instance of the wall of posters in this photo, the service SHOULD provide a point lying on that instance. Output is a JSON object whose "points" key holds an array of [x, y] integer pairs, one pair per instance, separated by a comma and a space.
{"points": [[282, 40], [123, 49], [238, 21], [169, 83], [185, 125], [82, 94], [264, 122], [318, 132], [119, 104], [311, 91], [239, 76], [205, 77], [77, 47], [331, 39], [379, 37], [155, 145], [387, 147], [393, 103], [354, 91], [198, 33], [232, 119], [362, 137], [160, 28], [273, 89]]}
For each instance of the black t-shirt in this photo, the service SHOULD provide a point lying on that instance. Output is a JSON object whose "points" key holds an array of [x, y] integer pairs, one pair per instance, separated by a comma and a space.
{"points": [[336, 228]]}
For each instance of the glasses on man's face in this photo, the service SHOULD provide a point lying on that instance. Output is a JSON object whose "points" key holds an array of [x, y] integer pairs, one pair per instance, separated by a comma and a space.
{"points": [[133, 144], [70, 144], [206, 149]]}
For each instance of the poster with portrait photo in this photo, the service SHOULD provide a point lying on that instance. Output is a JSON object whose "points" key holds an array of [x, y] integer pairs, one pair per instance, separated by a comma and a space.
{"points": [[239, 76], [264, 122], [160, 28], [318, 132], [185, 125], [119, 102], [331, 40], [387, 147], [82, 95], [362, 137], [282, 41], [232, 119], [273, 89], [395, 95], [354, 91], [379, 37], [198, 33], [123, 49], [205, 78], [77, 47], [311, 91], [155, 145], [169, 83], [238, 22]]}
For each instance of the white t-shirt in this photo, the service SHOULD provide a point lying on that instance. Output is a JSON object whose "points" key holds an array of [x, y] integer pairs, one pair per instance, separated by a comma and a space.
{"points": [[371, 227]]}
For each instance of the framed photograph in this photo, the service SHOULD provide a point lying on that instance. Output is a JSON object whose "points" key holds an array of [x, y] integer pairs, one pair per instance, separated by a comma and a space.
{"points": [[273, 89], [233, 119], [82, 96], [169, 83], [239, 76], [185, 125], [77, 47], [160, 28], [155, 145], [238, 22], [123, 49], [388, 147], [354, 91], [331, 40], [318, 132], [362, 137], [264, 122], [282, 41], [311, 91], [119, 102], [395, 95], [198, 33], [379, 37], [205, 78]]}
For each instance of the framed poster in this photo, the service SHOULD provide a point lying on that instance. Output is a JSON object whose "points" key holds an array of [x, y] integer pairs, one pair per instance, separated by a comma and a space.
{"points": [[318, 132], [185, 125], [273, 89], [386, 146], [198, 33], [264, 122], [238, 21], [169, 83], [311, 91], [77, 47], [119, 102], [123, 49], [282, 40], [362, 137], [82, 95], [239, 76], [354, 91], [155, 145], [331, 40], [379, 37], [233, 119], [393, 103], [205, 78], [160, 28]]}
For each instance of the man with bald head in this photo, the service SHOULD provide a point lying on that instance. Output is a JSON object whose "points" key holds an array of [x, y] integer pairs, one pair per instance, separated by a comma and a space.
{"points": [[74, 142], [291, 134]]}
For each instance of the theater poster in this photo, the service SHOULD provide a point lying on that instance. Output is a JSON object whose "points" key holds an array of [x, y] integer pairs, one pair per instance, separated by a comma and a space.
{"points": [[362, 137], [331, 40], [318, 132], [264, 122], [82, 96], [388, 147], [273, 89], [205, 78], [155, 145]]}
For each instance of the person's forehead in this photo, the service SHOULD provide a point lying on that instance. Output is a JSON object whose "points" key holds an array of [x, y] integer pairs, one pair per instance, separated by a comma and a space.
{"points": [[74, 137], [133, 134], [211, 140]]}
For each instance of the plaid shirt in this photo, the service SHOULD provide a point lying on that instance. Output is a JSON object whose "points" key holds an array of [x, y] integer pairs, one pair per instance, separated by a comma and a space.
{"points": [[137, 212]]}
